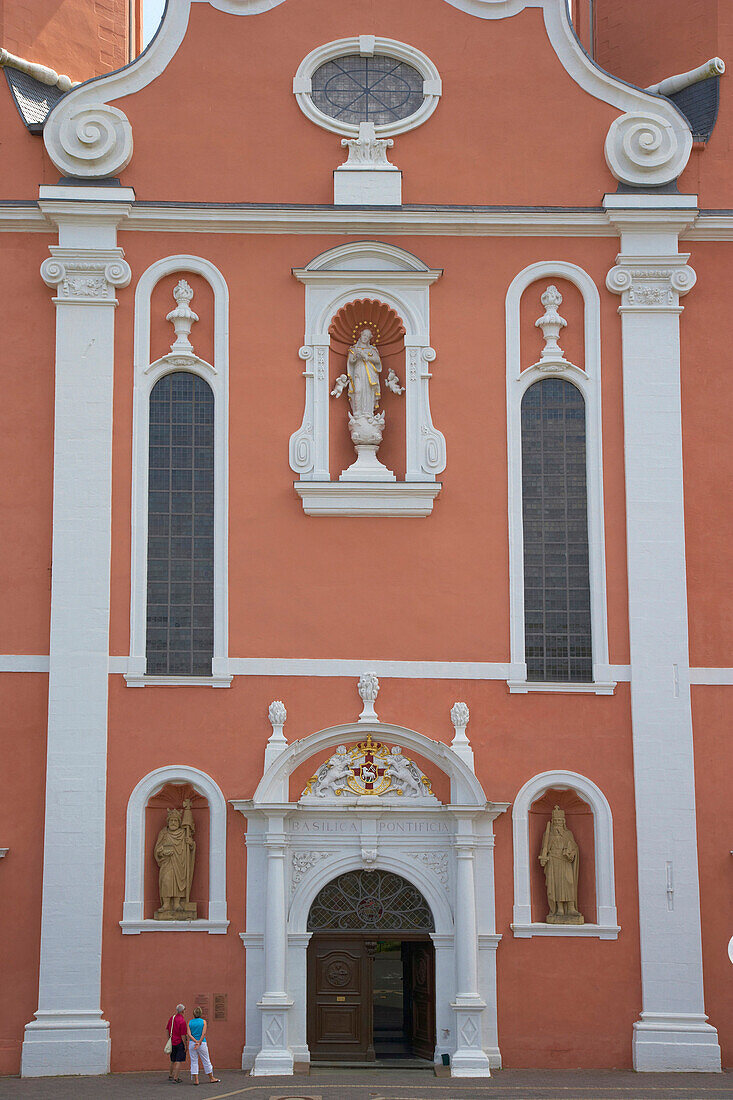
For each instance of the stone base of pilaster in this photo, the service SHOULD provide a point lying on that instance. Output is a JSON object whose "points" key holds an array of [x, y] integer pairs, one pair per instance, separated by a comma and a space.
{"points": [[64, 1044], [275, 1059], [469, 1058], [273, 1063], [666, 1042]]}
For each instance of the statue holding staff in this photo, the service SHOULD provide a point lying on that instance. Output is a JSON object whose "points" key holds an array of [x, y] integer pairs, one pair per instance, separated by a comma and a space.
{"points": [[175, 854], [559, 856]]}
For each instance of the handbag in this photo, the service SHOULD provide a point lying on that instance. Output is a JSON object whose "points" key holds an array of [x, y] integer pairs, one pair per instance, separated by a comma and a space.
{"points": [[167, 1049]]}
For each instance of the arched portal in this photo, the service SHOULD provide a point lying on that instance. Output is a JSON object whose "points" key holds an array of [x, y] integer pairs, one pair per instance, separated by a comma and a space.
{"points": [[367, 827], [371, 970]]}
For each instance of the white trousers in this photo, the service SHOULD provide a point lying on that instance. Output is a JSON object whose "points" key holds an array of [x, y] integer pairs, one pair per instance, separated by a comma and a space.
{"points": [[203, 1053]]}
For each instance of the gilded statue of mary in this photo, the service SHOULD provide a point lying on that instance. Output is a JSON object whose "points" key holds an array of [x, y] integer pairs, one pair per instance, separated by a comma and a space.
{"points": [[363, 366]]}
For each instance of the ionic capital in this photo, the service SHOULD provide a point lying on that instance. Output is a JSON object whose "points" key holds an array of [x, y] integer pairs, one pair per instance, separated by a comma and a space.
{"points": [[651, 284], [86, 276]]}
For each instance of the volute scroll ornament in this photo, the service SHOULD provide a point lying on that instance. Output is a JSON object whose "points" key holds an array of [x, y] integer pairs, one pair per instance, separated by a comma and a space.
{"points": [[89, 140], [644, 149]]}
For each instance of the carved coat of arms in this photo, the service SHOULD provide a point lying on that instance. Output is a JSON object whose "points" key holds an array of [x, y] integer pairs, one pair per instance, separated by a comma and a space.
{"points": [[369, 768]]}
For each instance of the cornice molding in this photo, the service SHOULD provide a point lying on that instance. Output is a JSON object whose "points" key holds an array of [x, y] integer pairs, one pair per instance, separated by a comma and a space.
{"points": [[708, 225]]}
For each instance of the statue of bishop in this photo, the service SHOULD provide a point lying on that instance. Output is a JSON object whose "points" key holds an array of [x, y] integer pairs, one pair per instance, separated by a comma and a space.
{"points": [[175, 853], [559, 856]]}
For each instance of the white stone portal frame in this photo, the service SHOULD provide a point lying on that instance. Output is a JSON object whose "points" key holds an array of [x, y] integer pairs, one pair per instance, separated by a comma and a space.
{"points": [[588, 381], [137, 849], [367, 45], [606, 927], [146, 375], [367, 269], [294, 848]]}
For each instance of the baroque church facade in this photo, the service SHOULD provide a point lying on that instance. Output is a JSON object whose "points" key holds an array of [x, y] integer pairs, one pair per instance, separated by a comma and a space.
{"points": [[368, 553]]}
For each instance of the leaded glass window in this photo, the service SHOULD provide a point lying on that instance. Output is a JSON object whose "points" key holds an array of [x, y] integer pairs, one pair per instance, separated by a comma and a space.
{"points": [[557, 618], [375, 89], [378, 900], [180, 607]]}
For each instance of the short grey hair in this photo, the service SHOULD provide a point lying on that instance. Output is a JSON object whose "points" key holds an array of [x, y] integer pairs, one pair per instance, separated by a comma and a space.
{"points": [[180, 1008]]}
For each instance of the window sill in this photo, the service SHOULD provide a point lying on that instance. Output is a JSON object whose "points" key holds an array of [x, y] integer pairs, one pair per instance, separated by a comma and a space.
{"points": [[599, 931], [401, 499], [135, 927], [134, 681], [523, 687]]}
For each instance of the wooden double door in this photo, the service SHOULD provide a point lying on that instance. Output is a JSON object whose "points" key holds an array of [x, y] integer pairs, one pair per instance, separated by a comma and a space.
{"points": [[370, 997]]}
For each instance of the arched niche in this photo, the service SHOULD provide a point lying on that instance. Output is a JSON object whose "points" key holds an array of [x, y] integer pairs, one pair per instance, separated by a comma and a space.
{"points": [[388, 337], [172, 795], [575, 791], [145, 817], [364, 271], [579, 819]]}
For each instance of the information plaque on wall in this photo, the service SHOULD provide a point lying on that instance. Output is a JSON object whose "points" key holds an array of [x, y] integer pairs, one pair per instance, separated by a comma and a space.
{"points": [[220, 1006]]}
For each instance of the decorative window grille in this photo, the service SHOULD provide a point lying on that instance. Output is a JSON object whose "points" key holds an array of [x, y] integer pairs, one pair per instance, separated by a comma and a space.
{"points": [[180, 595], [557, 615], [376, 89], [370, 900]]}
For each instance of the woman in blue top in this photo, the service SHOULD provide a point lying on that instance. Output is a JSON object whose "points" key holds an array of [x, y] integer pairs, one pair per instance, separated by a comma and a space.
{"points": [[199, 1048]]}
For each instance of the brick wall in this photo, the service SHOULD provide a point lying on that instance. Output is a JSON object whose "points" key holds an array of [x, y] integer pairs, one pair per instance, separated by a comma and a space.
{"points": [[81, 38]]}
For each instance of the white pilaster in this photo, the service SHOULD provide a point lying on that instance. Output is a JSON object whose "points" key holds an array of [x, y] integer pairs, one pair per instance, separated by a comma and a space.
{"points": [[69, 1034], [275, 1058], [469, 1059], [673, 1032]]}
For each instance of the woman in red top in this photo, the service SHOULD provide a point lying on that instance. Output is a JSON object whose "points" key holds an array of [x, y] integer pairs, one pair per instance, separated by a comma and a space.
{"points": [[177, 1029]]}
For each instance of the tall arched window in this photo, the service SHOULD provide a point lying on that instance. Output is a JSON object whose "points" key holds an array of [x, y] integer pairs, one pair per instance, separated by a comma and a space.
{"points": [[180, 573], [557, 595]]}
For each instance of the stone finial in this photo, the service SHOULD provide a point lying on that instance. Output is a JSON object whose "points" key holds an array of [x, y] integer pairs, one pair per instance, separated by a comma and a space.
{"points": [[459, 715], [277, 742], [551, 323], [367, 150], [182, 318], [368, 690], [277, 714]]}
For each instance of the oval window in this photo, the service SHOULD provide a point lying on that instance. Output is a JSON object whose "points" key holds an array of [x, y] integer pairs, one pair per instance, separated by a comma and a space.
{"points": [[378, 89]]}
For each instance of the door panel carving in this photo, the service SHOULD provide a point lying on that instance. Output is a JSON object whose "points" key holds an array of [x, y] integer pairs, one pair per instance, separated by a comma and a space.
{"points": [[339, 999]]}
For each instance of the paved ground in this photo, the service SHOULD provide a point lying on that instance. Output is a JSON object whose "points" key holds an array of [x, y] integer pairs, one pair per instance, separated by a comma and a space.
{"points": [[375, 1084]]}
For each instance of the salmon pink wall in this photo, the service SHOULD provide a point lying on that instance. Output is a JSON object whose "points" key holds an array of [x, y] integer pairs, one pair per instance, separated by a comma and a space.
{"points": [[26, 444], [23, 718], [224, 733], [483, 144], [707, 413], [81, 38], [290, 574], [713, 767]]}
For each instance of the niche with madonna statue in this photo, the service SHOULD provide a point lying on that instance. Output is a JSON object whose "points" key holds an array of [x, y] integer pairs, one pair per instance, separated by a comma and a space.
{"points": [[176, 854], [367, 445], [562, 859]]}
